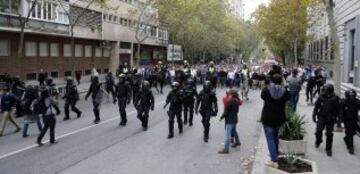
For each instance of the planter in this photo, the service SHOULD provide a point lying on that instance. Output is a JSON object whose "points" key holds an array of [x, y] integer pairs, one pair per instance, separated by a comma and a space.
{"points": [[296, 147], [313, 165]]}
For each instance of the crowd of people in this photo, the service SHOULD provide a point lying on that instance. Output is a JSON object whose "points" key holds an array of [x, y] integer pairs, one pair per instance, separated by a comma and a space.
{"points": [[279, 86]]}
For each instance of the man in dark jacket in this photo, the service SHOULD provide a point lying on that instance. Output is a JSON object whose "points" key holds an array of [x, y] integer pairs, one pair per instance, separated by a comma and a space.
{"points": [[123, 93], [326, 110], [350, 107], [175, 99], [190, 94], [231, 119], [42, 77], [96, 93], [71, 97], [143, 103], [207, 101], [275, 97], [8, 103]]}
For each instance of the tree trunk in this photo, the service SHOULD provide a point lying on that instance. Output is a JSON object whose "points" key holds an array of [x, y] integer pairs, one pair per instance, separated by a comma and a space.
{"points": [[334, 45], [20, 49], [295, 54], [138, 52], [72, 46]]}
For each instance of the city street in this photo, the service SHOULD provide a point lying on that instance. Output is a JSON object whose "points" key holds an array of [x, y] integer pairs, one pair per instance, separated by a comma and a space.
{"points": [[107, 148]]}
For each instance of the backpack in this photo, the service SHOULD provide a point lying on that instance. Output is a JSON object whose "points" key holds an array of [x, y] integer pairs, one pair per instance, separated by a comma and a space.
{"points": [[39, 106], [26, 106]]}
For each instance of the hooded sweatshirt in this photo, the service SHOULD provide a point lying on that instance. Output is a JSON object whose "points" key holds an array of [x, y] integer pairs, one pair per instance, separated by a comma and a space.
{"points": [[275, 98]]}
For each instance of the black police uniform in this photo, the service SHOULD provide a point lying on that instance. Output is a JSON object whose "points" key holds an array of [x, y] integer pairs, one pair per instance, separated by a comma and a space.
{"points": [[162, 77], [175, 99], [350, 109], [96, 95], [110, 83], [123, 94], [71, 97], [190, 94], [143, 103], [135, 85], [327, 108], [207, 101]]}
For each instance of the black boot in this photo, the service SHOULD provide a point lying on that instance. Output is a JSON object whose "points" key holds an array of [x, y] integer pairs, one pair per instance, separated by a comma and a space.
{"points": [[171, 130]]}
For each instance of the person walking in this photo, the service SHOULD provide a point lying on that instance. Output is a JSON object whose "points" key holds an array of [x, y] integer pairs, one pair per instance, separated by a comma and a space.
{"points": [[96, 93], [294, 83], [176, 100], [27, 104], [326, 110], [273, 116], [71, 97], [231, 120], [207, 101], [143, 103], [47, 104], [123, 95], [350, 108], [190, 94], [8, 103]]}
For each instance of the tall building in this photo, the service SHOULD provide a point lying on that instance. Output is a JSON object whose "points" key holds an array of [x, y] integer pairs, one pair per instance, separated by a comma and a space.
{"points": [[104, 36], [318, 50], [236, 8]]}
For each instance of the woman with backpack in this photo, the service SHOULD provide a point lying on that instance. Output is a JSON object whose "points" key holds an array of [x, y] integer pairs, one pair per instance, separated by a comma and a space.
{"points": [[27, 104]]}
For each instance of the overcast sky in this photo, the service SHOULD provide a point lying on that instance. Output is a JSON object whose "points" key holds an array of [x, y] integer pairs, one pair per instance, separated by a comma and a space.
{"points": [[251, 5]]}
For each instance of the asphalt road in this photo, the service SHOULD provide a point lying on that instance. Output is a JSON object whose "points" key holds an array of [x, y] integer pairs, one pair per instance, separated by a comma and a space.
{"points": [[107, 148]]}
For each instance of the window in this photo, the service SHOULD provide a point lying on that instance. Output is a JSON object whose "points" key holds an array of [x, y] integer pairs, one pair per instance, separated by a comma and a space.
{"points": [[87, 72], [99, 71], [115, 19], [88, 51], [121, 21], [352, 49], [9, 6], [54, 74], [153, 31], [78, 50], [62, 18], [43, 48], [106, 71], [31, 76], [98, 52], [44, 10], [110, 18], [54, 49], [67, 50], [67, 73], [30, 49], [326, 47], [106, 52], [4, 48]]}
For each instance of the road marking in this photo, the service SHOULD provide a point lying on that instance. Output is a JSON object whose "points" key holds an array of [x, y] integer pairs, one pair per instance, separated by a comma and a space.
{"points": [[67, 134]]}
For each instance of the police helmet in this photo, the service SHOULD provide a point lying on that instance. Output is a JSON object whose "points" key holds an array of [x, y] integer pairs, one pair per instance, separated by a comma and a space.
{"points": [[350, 94], [328, 89]]}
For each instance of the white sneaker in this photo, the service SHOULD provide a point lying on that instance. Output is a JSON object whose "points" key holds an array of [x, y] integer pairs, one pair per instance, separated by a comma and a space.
{"points": [[272, 164]]}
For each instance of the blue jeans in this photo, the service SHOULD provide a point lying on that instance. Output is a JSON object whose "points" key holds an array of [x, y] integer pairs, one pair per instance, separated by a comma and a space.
{"points": [[272, 138], [294, 99], [26, 126], [230, 129]]}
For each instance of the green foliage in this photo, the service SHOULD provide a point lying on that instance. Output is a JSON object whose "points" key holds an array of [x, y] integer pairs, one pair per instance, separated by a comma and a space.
{"points": [[294, 127]]}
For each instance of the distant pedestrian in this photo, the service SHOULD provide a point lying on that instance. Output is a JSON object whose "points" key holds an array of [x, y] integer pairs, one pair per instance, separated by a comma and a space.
{"points": [[294, 83], [78, 77], [42, 77], [275, 97], [8, 103], [231, 119]]}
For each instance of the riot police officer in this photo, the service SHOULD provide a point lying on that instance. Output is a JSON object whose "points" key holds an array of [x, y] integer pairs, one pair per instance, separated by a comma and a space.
{"points": [[122, 93], [350, 107], [207, 101], [97, 95], [211, 75], [175, 99], [110, 83], [18, 89], [190, 94], [53, 91], [143, 103], [135, 84], [71, 97], [162, 76], [326, 110]]}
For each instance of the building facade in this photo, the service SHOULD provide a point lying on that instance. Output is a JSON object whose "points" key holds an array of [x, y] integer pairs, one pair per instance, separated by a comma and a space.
{"points": [[104, 37], [318, 50]]}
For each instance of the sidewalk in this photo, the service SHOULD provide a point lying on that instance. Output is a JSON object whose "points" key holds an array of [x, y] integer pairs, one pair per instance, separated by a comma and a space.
{"points": [[340, 162]]}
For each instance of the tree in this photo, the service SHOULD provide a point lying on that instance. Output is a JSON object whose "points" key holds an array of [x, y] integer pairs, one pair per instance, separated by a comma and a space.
{"points": [[283, 24]]}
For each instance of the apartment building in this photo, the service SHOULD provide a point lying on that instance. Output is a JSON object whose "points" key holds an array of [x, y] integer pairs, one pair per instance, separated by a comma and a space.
{"points": [[104, 37], [317, 51]]}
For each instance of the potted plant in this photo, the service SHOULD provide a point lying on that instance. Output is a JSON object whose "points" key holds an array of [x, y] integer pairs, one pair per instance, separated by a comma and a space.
{"points": [[291, 134], [290, 163]]}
